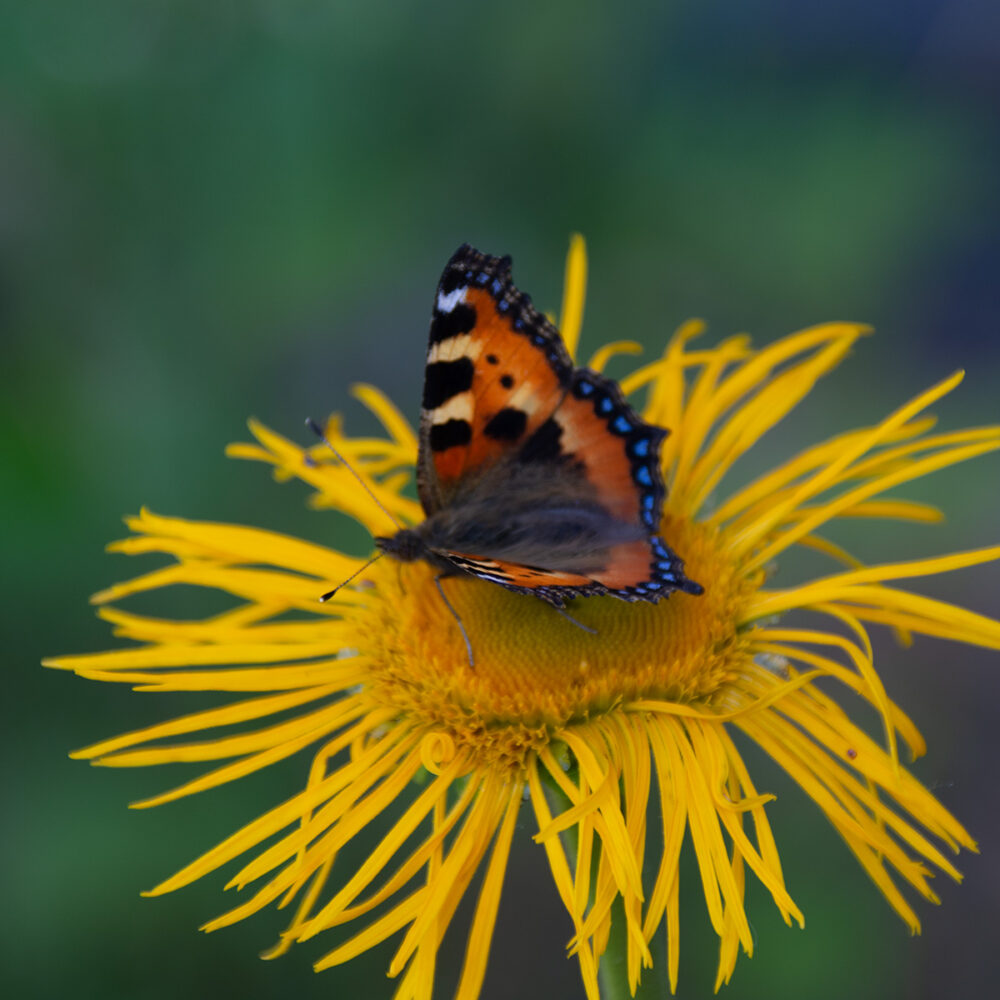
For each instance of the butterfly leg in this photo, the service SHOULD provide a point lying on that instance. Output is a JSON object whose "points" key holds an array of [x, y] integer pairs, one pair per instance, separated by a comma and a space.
{"points": [[570, 618], [399, 579], [448, 605]]}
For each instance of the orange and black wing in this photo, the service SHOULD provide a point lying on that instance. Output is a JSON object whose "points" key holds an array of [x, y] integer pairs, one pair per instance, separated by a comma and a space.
{"points": [[618, 454], [535, 475], [593, 447], [496, 371]]}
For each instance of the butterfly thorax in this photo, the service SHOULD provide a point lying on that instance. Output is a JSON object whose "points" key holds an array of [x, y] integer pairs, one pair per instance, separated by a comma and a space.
{"points": [[410, 544]]}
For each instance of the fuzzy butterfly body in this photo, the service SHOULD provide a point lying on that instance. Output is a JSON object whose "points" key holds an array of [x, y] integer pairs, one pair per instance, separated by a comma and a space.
{"points": [[533, 474]]}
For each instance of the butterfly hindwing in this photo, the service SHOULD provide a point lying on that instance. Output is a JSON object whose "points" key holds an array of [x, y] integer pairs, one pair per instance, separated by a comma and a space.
{"points": [[519, 577], [617, 450], [642, 570], [496, 369], [589, 527], [619, 454]]}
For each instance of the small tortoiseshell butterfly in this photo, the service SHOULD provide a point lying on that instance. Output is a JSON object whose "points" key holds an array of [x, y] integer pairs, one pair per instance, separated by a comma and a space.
{"points": [[532, 473]]}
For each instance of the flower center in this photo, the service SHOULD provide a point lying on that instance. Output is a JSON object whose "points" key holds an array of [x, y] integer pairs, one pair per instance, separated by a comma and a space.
{"points": [[535, 671]]}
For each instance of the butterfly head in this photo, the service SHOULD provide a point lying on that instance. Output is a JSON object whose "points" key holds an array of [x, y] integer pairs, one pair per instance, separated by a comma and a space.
{"points": [[406, 545]]}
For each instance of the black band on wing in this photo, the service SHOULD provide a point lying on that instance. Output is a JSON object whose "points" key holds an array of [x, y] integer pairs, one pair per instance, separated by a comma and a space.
{"points": [[471, 268], [444, 380], [445, 325], [507, 425], [450, 434]]}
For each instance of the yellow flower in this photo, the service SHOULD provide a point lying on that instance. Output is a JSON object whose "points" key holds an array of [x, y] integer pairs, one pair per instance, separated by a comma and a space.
{"points": [[600, 737]]}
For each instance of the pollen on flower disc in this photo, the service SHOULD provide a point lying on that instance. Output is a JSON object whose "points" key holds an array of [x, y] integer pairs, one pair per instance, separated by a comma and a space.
{"points": [[534, 671]]}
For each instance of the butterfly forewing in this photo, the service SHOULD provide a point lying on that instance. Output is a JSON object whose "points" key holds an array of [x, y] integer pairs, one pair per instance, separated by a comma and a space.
{"points": [[496, 370]]}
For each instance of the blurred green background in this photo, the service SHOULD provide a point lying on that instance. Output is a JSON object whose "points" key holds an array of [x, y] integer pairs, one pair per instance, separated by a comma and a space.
{"points": [[210, 210]]}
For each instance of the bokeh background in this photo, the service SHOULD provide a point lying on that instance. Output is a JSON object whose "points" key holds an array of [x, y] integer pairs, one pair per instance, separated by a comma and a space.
{"points": [[210, 210]]}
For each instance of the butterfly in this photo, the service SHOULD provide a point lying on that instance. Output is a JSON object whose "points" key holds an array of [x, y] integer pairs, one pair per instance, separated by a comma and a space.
{"points": [[532, 473]]}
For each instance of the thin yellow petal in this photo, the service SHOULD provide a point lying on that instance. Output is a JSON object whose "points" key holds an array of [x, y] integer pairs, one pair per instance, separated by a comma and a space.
{"points": [[574, 293], [375, 933], [559, 867], [973, 628], [710, 848], [599, 361], [478, 948], [387, 412], [252, 545], [904, 570], [673, 812], [247, 765], [825, 512], [471, 844], [830, 473], [377, 860], [312, 722], [302, 912], [701, 738], [278, 818], [899, 720], [749, 422], [609, 821], [344, 673], [765, 488], [228, 715], [592, 802], [896, 510]]}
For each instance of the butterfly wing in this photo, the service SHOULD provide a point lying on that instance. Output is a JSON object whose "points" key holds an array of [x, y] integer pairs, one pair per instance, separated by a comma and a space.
{"points": [[574, 510], [618, 455], [533, 474], [631, 567], [496, 370]]}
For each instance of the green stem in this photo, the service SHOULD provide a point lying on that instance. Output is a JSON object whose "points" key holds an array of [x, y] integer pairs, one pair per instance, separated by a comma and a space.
{"points": [[613, 972]]}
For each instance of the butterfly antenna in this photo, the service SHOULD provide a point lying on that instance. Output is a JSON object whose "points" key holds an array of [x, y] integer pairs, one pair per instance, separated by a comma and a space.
{"points": [[318, 431], [447, 603], [330, 593]]}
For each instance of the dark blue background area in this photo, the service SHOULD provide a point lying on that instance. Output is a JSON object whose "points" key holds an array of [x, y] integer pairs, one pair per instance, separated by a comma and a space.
{"points": [[212, 210]]}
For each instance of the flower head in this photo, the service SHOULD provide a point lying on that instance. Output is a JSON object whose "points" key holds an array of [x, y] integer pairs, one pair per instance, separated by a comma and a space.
{"points": [[600, 736]]}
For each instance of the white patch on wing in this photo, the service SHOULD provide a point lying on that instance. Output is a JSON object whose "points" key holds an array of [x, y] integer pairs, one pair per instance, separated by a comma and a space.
{"points": [[570, 440], [462, 345], [446, 303], [457, 408], [475, 562], [526, 399]]}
